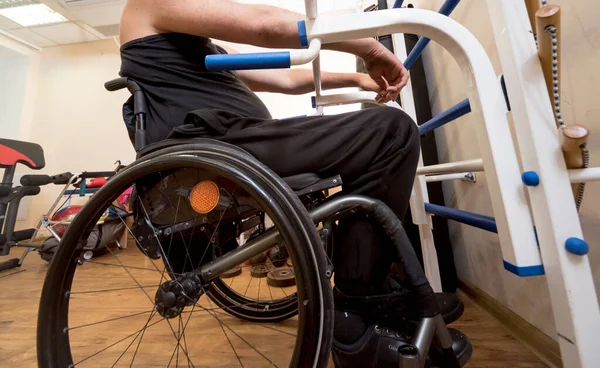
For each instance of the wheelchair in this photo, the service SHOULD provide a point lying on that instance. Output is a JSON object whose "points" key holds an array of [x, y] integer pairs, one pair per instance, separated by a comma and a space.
{"points": [[171, 305]]}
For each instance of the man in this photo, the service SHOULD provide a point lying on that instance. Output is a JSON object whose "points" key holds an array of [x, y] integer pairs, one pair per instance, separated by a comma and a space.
{"points": [[374, 150]]}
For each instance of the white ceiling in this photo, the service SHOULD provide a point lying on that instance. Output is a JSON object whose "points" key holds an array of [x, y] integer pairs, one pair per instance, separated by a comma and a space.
{"points": [[92, 20]]}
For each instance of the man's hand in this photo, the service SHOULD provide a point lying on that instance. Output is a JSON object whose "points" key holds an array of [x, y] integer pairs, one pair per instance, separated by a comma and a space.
{"points": [[387, 71], [366, 83]]}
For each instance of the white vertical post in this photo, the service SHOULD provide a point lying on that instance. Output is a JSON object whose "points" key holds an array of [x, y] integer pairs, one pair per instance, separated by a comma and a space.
{"points": [[311, 13], [419, 195], [570, 281]]}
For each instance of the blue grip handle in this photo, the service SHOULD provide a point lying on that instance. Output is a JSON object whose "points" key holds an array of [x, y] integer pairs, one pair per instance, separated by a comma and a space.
{"points": [[263, 60]]}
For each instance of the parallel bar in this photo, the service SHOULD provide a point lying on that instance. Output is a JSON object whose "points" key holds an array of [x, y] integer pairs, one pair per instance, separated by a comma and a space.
{"points": [[398, 4], [467, 176], [469, 218], [416, 52], [452, 167], [460, 109], [584, 175]]}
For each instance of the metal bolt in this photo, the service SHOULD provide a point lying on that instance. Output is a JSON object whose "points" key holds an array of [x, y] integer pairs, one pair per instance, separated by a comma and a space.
{"points": [[209, 272], [186, 225], [334, 181], [140, 222], [168, 231], [202, 228], [325, 231], [204, 219], [141, 238], [328, 273]]}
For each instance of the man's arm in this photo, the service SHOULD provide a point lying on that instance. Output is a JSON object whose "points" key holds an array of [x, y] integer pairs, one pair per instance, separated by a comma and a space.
{"points": [[301, 81], [259, 25]]}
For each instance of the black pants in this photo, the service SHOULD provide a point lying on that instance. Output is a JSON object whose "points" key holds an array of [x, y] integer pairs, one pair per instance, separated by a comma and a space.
{"points": [[375, 151]]}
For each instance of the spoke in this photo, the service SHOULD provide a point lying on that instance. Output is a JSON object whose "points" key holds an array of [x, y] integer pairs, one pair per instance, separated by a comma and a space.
{"points": [[218, 223], [115, 343], [109, 320], [238, 335], [138, 243], [226, 336], [258, 296], [184, 340], [247, 287], [121, 265], [129, 273], [140, 340], [138, 334], [109, 290]]}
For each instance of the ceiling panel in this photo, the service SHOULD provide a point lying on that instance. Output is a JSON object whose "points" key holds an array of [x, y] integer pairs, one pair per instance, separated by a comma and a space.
{"points": [[6, 23], [28, 35], [65, 33]]}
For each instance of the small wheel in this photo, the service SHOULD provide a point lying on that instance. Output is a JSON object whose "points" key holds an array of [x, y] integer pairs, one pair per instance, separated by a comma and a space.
{"points": [[130, 306]]}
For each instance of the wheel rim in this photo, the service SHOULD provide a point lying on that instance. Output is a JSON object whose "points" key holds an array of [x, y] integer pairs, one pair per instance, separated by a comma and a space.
{"points": [[50, 338]]}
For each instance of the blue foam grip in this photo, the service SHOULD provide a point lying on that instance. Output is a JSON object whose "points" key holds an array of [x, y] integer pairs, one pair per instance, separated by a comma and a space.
{"points": [[263, 60], [398, 4], [530, 178], [302, 33], [577, 246], [313, 101], [469, 218], [524, 271], [453, 113]]}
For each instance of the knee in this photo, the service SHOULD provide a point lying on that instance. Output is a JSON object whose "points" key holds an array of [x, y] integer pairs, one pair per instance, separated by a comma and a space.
{"points": [[402, 126]]}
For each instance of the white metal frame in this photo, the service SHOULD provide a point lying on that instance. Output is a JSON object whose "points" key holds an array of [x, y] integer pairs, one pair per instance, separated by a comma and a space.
{"points": [[572, 291]]}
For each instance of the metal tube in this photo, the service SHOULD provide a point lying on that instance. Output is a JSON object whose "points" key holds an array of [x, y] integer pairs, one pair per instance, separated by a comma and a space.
{"points": [[473, 219], [452, 167], [424, 337], [460, 109], [311, 9], [467, 176], [584, 175], [212, 270]]}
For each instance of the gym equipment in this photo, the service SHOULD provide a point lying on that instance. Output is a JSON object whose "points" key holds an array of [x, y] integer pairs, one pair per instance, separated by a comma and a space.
{"points": [[259, 270], [13, 152], [557, 233], [281, 276]]}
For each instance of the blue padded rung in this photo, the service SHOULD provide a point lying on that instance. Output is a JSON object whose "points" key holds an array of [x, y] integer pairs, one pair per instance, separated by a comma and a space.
{"points": [[469, 218], [453, 113], [398, 4], [524, 271]]}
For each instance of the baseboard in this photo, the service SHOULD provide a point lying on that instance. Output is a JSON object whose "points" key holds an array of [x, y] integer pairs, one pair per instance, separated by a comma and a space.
{"points": [[538, 342]]}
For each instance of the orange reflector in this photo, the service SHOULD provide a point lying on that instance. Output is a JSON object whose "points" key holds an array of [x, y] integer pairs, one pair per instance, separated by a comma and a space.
{"points": [[204, 197]]}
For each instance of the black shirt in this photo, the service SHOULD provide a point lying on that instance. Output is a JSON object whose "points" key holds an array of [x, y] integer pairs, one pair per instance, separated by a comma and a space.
{"points": [[170, 70]]}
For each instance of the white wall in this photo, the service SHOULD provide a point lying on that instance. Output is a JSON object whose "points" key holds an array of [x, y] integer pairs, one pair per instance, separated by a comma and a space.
{"points": [[477, 253], [13, 79]]}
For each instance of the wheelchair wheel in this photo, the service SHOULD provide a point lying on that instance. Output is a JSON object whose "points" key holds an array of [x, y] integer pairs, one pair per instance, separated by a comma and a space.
{"points": [[142, 306]]}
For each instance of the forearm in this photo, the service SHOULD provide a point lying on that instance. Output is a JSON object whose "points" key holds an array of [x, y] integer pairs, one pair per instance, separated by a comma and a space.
{"points": [[302, 81]]}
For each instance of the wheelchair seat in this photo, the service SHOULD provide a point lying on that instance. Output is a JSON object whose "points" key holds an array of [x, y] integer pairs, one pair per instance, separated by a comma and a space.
{"points": [[302, 184], [13, 152]]}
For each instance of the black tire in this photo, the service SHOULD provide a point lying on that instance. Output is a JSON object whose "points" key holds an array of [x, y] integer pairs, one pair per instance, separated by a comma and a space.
{"points": [[315, 317]]}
